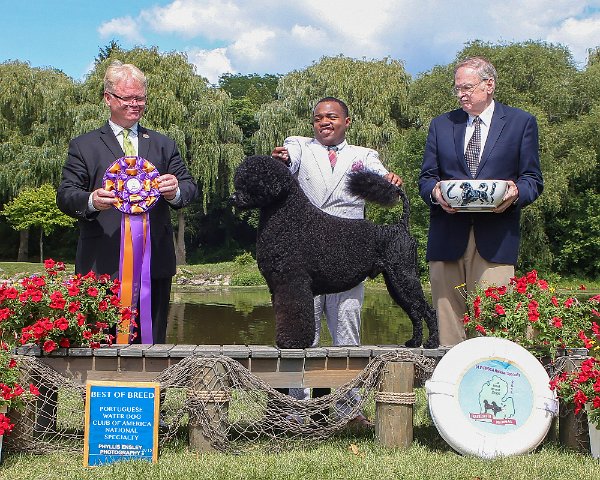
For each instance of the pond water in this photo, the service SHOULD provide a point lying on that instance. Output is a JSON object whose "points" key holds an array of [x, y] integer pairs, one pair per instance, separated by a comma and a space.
{"points": [[244, 316]]}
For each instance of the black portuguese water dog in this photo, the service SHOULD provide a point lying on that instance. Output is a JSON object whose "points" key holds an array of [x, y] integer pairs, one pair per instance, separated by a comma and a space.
{"points": [[302, 251]]}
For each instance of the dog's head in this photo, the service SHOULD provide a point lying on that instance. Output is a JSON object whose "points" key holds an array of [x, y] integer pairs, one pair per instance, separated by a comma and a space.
{"points": [[260, 181]]}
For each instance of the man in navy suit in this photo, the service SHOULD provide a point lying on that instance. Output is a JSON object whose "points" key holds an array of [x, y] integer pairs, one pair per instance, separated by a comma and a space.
{"points": [[81, 195], [469, 249]]}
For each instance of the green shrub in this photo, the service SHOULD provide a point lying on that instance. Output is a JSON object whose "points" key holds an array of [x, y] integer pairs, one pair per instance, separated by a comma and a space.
{"points": [[247, 279], [245, 258]]}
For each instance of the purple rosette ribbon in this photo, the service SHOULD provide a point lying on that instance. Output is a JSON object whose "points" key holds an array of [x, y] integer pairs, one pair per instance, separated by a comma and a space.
{"points": [[134, 181]]}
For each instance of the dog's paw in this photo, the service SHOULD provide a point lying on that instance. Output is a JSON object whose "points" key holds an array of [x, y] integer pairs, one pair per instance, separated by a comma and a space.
{"points": [[414, 343], [432, 342]]}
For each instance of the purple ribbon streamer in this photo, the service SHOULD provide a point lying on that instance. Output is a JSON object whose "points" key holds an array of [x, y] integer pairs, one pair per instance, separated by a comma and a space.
{"points": [[141, 274], [141, 291]]}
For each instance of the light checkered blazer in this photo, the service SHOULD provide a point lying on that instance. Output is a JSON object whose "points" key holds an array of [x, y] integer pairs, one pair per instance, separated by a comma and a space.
{"points": [[325, 188]]}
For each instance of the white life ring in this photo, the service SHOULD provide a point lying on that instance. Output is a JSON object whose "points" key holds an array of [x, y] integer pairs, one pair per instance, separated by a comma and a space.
{"points": [[490, 397]]}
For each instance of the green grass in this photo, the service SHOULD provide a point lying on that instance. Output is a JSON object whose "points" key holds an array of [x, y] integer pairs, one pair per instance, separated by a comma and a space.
{"points": [[331, 460], [429, 457]]}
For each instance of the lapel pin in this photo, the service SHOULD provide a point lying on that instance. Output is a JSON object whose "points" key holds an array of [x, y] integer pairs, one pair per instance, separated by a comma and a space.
{"points": [[145, 135]]}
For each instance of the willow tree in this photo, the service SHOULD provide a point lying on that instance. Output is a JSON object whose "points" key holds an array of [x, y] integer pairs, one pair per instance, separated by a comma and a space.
{"points": [[36, 121], [376, 92], [182, 105]]}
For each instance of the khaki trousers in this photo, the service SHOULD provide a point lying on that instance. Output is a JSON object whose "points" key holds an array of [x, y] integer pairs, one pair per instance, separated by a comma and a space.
{"points": [[450, 282]]}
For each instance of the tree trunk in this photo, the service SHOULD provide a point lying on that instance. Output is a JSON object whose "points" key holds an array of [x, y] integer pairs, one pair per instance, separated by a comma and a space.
{"points": [[179, 239], [23, 253], [41, 245]]}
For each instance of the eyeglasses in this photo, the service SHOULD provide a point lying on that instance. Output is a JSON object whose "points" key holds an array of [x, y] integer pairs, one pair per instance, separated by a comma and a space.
{"points": [[130, 100], [466, 89]]}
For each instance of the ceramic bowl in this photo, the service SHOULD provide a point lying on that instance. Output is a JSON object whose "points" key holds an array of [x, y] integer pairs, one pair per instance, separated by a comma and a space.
{"points": [[473, 195]]}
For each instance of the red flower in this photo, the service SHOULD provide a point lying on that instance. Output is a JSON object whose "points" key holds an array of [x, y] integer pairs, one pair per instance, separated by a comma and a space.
{"points": [[580, 399], [5, 425], [57, 301], [61, 323], [480, 329], [499, 309], [74, 307], [64, 343], [33, 389], [582, 287], [49, 264], [90, 275], [569, 302], [557, 322], [49, 346], [87, 334], [4, 313], [533, 314], [92, 291], [73, 290]]}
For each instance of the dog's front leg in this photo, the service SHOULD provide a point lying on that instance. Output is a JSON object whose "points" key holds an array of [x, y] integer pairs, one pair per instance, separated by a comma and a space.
{"points": [[293, 304]]}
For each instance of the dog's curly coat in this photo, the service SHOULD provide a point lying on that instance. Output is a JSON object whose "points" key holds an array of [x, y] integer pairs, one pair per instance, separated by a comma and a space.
{"points": [[302, 251]]}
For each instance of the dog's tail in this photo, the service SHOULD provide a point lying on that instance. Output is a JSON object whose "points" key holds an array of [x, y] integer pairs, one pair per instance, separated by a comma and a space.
{"points": [[372, 187]]}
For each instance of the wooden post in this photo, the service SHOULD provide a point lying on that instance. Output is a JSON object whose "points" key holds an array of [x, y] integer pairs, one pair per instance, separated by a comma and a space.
{"points": [[209, 391], [394, 405]]}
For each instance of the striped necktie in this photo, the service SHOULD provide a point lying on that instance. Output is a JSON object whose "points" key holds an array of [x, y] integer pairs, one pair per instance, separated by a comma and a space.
{"points": [[128, 147], [332, 154], [474, 147]]}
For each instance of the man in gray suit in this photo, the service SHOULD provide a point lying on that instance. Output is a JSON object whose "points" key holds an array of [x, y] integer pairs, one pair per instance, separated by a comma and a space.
{"points": [[321, 165]]}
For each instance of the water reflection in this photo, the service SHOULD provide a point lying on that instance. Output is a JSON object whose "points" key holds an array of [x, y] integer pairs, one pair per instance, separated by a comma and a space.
{"points": [[244, 316]]}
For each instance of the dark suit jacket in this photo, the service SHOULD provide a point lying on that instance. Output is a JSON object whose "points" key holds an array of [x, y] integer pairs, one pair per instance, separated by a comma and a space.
{"points": [[100, 232], [511, 152]]}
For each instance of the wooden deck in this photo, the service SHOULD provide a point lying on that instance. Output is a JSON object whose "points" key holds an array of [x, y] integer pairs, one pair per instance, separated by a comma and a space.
{"points": [[280, 368]]}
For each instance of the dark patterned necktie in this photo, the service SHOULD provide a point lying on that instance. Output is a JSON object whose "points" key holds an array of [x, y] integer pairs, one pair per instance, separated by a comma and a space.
{"points": [[474, 147], [332, 154]]}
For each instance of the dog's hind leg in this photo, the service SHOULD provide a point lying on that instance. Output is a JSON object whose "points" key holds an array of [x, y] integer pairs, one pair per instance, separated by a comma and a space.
{"points": [[406, 290], [294, 314]]}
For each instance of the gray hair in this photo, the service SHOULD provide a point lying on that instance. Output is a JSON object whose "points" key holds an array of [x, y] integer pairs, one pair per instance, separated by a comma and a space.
{"points": [[481, 65], [118, 71]]}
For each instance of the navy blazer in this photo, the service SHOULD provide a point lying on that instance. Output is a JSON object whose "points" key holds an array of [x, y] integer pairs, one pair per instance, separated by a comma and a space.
{"points": [[100, 232], [511, 152]]}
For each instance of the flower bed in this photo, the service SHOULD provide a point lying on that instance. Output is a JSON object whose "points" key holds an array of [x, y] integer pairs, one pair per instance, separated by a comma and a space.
{"points": [[533, 314], [60, 310], [12, 393]]}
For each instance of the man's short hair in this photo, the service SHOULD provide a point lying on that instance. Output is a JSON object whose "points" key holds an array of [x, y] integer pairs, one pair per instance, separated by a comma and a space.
{"points": [[481, 65], [118, 71], [334, 100]]}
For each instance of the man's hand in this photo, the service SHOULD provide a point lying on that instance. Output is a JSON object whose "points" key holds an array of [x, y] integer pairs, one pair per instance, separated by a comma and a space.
{"points": [[393, 178], [510, 197], [436, 196], [103, 199], [168, 185], [281, 153]]}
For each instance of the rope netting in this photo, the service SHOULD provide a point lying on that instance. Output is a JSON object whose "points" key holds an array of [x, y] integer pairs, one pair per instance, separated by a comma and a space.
{"points": [[214, 401]]}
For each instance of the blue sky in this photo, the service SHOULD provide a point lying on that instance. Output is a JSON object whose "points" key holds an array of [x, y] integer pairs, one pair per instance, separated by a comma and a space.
{"points": [[277, 36]]}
